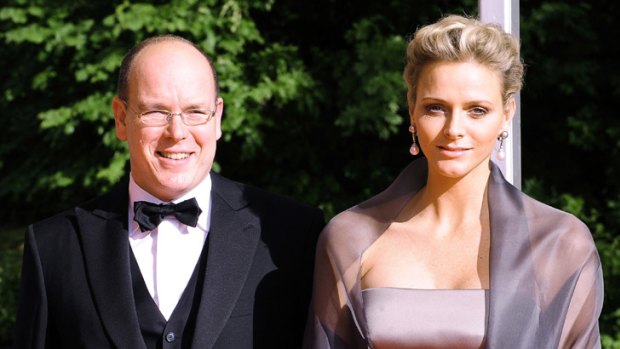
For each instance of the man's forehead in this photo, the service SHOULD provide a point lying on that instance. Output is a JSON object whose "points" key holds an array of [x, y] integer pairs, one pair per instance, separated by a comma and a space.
{"points": [[169, 49], [167, 60]]}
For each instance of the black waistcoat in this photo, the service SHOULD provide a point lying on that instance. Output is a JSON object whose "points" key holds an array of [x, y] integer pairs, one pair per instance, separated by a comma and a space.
{"points": [[178, 331]]}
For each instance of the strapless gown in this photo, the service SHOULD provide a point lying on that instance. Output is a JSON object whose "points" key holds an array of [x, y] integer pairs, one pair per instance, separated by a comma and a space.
{"points": [[400, 318]]}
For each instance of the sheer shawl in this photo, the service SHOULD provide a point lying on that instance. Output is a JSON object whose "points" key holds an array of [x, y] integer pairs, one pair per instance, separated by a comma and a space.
{"points": [[546, 283]]}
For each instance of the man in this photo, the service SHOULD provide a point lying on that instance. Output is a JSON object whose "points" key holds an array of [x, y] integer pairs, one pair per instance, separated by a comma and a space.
{"points": [[128, 270]]}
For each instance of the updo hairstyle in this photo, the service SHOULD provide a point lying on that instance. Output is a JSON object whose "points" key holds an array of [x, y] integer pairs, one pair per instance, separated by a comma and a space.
{"points": [[461, 39]]}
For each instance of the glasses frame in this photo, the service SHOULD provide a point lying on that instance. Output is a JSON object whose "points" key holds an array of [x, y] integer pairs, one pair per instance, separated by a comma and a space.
{"points": [[169, 115]]}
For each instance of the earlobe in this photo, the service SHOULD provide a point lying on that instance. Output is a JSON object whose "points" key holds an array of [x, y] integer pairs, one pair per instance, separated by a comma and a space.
{"points": [[120, 118]]}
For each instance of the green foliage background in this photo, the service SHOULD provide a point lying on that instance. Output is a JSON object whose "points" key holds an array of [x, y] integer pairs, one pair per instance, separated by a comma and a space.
{"points": [[314, 104]]}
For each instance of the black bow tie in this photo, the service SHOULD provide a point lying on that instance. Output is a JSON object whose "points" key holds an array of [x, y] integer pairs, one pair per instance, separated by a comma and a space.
{"points": [[149, 215]]}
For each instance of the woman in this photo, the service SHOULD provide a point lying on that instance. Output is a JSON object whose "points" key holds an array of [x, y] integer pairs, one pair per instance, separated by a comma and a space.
{"points": [[451, 255]]}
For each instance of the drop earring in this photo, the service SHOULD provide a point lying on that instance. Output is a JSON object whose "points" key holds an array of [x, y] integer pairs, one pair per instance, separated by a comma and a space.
{"points": [[501, 152], [414, 149]]}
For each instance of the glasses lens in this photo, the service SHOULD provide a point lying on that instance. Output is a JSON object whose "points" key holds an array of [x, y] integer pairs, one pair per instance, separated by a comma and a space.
{"points": [[154, 118], [196, 117]]}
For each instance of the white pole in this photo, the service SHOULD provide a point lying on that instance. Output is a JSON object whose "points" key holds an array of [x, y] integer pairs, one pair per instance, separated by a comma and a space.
{"points": [[506, 14]]}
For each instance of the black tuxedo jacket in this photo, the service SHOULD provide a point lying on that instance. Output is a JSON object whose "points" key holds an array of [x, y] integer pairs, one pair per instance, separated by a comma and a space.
{"points": [[76, 289]]}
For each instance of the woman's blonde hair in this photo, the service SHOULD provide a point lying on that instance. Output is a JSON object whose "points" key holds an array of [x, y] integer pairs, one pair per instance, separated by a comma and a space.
{"points": [[461, 39]]}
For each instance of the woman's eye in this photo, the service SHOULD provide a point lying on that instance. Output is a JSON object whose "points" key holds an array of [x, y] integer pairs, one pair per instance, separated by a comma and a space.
{"points": [[434, 109], [478, 112]]}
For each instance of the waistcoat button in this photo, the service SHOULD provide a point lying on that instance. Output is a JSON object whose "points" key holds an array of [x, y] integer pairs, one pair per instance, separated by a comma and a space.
{"points": [[170, 337]]}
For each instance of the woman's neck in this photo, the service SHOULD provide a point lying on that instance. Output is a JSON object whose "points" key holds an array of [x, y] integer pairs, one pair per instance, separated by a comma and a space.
{"points": [[454, 203]]}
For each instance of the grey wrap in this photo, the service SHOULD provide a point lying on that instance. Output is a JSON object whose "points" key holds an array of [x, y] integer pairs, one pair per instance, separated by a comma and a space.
{"points": [[546, 283]]}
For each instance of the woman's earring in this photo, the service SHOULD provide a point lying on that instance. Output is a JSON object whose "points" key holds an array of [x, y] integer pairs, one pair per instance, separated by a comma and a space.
{"points": [[414, 149], [501, 152]]}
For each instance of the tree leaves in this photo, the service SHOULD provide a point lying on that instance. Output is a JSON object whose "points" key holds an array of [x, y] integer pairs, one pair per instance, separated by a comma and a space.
{"points": [[73, 55]]}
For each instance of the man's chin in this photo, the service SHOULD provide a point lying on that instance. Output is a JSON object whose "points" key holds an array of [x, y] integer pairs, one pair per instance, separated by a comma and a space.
{"points": [[177, 185]]}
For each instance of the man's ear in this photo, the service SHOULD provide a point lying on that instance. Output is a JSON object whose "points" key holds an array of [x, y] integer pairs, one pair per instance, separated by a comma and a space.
{"points": [[217, 118], [120, 118]]}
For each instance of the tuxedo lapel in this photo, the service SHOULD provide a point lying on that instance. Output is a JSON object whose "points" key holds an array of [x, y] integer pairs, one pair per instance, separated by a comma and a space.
{"points": [[104, 239], [233, 238]]}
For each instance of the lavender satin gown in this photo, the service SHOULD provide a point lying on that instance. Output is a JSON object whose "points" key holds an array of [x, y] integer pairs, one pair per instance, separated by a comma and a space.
{"points": [[400, 318]]}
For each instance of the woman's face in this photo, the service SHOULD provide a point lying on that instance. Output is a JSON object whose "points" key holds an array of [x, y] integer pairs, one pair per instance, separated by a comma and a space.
{"points": [[458, 113]]}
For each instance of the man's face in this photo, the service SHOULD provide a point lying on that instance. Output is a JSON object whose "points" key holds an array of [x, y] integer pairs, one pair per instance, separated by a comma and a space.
{"points": [[168, 161]]}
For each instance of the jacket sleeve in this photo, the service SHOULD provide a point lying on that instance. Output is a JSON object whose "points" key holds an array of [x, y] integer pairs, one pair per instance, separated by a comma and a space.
{"points": [[31, 326]]}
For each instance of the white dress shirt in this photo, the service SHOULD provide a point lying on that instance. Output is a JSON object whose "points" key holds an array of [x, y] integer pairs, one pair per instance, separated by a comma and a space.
{"points": [[167, 255]]}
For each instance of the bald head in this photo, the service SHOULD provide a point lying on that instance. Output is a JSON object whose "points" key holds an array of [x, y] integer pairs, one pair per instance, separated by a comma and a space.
{"points": [[128, 61]]}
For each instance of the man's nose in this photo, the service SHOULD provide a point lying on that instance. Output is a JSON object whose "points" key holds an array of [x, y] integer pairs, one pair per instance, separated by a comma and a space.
{"points": [[176, 127]]}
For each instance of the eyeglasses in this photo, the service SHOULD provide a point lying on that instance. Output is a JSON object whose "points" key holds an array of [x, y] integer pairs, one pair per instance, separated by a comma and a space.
{"points": [[156, 117]]}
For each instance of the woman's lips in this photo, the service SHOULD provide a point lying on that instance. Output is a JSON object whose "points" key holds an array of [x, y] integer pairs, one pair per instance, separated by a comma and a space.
{"points": [[452, 152]]}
